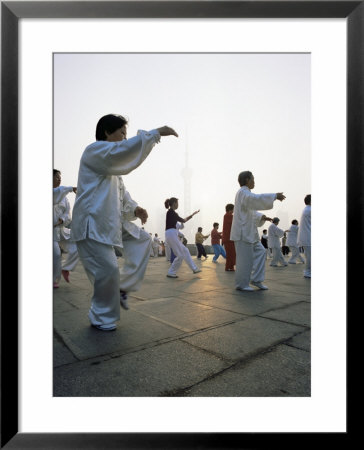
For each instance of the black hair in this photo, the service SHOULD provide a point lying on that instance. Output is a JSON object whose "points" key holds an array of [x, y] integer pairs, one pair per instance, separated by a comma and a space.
{"points": [[109, 123], [199, 229], [170, 201], [244, 177], [264, 230], [56, 171], [294, 222], [307, 199], [215, 223], [229, 207]]}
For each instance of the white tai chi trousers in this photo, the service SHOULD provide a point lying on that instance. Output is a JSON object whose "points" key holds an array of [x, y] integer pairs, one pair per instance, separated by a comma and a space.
{"points": [[136, 257], [71, 261], [168, 251], [250, 263], [307, 253], [101, 266], [180, 250], [295, 255], [277, 257]]}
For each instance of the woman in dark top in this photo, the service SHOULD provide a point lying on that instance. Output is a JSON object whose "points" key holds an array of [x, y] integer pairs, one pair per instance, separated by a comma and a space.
{"points": [[181, 252]]}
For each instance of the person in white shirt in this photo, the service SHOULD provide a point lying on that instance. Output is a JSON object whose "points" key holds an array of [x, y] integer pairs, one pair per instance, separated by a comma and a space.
{"points": [[61, 234], [250, 253], [97, 214], [136, 246], [304, 235], [292, 243], [155, 244], [274, 235]]}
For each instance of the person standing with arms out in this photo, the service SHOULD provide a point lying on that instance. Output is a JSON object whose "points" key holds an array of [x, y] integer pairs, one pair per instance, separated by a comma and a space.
{"points": [[274, 235], [292, 243], [199, 238], [304, 235], [250, 253], [61, 234], [215, 242], [96, 225], [181, 252], [229, 245]]}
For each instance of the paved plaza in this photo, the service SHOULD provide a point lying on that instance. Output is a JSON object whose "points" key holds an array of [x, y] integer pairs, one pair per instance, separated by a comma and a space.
{"points": [[194, 336]]}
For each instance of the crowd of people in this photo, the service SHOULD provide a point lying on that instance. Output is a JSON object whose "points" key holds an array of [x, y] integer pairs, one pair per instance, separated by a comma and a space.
{"points": [[102, 226]]}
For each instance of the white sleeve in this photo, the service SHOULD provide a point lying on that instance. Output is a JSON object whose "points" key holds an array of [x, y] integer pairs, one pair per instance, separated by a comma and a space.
{"points": [[129, 206], [258, 201], [60, 193], [120, 158]]}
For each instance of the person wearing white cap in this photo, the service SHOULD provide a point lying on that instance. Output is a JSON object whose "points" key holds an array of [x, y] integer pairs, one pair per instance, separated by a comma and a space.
{"points": [[250, 253], [274, 235], [292, 243], [304, 235]]}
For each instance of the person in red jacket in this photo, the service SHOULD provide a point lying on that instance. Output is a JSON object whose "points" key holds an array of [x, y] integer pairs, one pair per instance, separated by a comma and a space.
{"points": [[215, 242], [228, 244]]}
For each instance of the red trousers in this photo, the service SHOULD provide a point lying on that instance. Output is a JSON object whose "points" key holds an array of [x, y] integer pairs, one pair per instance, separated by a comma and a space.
{"points": [[230, 255]]}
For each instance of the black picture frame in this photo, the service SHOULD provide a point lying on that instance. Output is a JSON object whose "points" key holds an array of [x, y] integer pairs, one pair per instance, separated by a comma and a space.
{"points": [[11, 12]]}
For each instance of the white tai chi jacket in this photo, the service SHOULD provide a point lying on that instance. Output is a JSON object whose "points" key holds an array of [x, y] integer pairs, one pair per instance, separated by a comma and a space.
{"points": [[304, 234], [98, 211], [274, 235], [292, 236], [246, 219], [61, 210]]}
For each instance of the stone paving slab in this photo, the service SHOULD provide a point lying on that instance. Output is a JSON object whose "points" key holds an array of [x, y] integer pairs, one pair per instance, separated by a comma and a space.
{"points": [[152, 372], [61, 354], [238, 340], [133, 330], [249, 303], [185, 315], [299, 313], [198, 324], [302, 341], [281, 372]]}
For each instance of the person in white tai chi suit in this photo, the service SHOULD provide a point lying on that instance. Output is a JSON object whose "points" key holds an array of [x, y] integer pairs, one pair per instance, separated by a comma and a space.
{"points": [[274, 235], [304, 235], [292, 243], [61, 234], [250, 253], [97, 214], [136, 245], [156, 244]]}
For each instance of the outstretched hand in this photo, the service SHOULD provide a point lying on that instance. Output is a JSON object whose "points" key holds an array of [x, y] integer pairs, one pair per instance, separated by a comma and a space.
{"points": [[269, 219], [74, 190], [196, 212], [141, 213], [280, 196], [167, 131]]}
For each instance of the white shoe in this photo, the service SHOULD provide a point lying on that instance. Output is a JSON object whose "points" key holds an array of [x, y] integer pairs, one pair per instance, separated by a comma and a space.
{"points": [[169, 275], [259, 285], [124, 300], [246, 289], [197, 270]]}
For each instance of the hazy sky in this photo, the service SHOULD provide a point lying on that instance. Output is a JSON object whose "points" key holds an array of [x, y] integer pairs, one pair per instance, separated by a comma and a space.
{"points": [[233, 112]]}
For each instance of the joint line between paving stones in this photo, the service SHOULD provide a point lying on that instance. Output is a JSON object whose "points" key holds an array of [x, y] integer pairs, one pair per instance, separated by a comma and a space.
{"points": [[60, 338], [243, 361]]}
